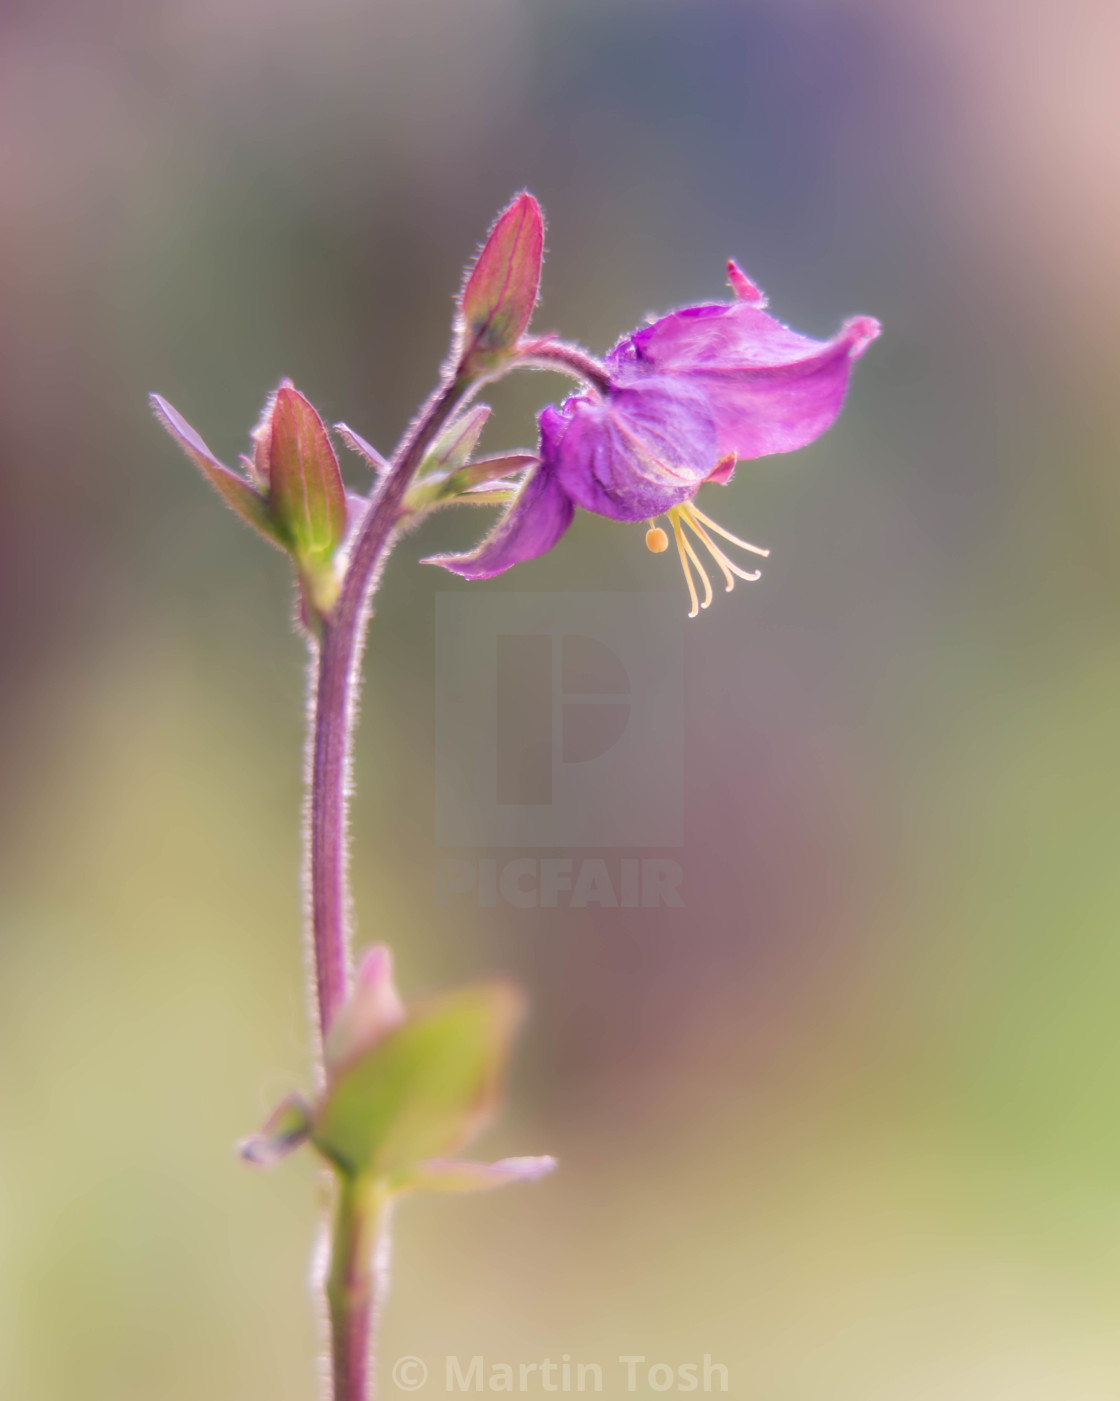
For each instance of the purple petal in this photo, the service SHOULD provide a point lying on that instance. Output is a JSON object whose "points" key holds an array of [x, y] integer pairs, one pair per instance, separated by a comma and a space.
{"points": [[539, 515], [769, 389], [645, 447], [458, 1175]]}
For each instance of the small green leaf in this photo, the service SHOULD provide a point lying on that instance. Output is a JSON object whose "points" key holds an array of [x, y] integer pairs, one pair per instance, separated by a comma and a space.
{"points": [[306, 492], [457, 441], [424, 1089], [487, 471], [478, 484], [235, 491]]}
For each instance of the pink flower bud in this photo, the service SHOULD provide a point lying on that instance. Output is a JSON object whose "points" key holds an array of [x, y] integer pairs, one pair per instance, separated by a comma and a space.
{"points": [[306, 494], [501, 289]]}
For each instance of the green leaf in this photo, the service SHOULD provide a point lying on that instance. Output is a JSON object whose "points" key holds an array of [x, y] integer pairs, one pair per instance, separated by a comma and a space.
{"points": [[487, 471], [477, 484], [425, 1089], [457, 441]]}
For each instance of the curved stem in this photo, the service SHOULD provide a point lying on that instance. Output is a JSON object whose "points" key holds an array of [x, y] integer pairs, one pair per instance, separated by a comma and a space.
{"points": [[337, 664], [548, 353]]}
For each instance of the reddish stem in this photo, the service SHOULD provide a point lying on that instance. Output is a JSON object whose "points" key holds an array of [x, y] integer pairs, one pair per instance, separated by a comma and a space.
{"points": [[350, 1292], [548, 353], [339, 665]]}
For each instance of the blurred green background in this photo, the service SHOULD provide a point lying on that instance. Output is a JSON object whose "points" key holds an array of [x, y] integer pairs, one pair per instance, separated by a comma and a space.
{"points": [[850, 1121]]}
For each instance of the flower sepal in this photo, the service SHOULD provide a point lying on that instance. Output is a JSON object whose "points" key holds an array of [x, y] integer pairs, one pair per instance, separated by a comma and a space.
{"points": [[406, 1087], [483, 482], [283, 1131], [291, 492], [247, 497], [460, 1176]]}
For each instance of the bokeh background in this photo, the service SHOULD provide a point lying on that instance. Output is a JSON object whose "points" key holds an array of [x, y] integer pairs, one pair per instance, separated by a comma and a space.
{"points": [[849, 1122]]}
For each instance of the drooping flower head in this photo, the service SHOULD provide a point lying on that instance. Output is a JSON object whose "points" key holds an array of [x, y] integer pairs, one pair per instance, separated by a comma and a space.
{"points": [[679, 402]]}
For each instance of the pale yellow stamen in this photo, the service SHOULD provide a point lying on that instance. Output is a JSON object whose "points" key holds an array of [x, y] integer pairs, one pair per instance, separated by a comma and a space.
{"points": [[657, 540], [729, 567], [720, 559], [679, 536], [695, 558], [727, 535]]}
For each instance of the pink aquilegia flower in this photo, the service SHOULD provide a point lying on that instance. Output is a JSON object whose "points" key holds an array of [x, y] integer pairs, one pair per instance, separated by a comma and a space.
{"points": [[680, 402]]}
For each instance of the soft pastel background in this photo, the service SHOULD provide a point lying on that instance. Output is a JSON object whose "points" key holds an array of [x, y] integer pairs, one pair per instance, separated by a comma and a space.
{"points": [[850, 1122]]}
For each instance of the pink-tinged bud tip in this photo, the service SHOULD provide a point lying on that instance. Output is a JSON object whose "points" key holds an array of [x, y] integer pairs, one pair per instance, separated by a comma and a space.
{"points": [[743, 287], [501, 288], [373, 1010]]}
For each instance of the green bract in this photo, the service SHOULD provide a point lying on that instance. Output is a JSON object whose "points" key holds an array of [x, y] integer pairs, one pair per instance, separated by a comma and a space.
{"points": [[425, 1088], [292, 491]]}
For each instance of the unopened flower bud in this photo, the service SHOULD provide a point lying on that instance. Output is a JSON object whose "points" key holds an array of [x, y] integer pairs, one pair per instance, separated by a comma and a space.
{"points": [[501, 288], [305, 489]]}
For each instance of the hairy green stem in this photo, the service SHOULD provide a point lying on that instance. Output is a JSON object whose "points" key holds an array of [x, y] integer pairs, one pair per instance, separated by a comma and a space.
{"points": [[353, 1282]]}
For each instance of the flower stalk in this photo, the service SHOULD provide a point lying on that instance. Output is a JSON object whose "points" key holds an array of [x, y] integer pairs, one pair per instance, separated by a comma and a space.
{"points": [[336, 666], [336, 663], [359, 1243]]}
